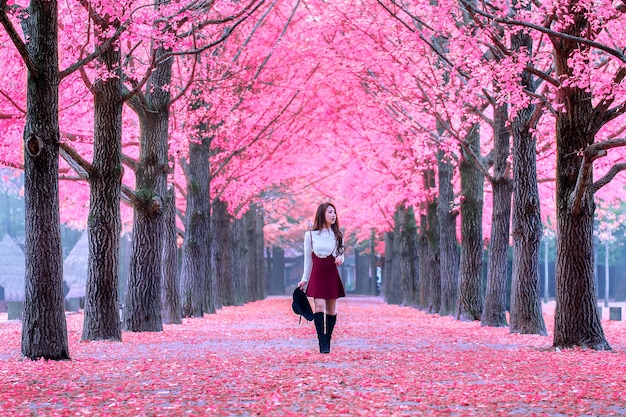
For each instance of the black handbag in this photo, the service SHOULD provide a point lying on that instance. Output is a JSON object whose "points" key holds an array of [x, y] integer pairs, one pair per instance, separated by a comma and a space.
{"points": [[300, 304]]}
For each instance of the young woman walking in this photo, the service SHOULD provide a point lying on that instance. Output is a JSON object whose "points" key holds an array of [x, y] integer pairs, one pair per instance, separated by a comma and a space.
{"points": [[323, 252]]}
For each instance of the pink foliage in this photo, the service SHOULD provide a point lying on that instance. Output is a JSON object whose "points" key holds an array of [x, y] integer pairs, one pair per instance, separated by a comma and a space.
{"points": [[326, 100]]}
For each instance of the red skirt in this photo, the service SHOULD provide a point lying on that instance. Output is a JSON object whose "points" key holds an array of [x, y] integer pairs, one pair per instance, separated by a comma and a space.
{"points": [[325, 281]]}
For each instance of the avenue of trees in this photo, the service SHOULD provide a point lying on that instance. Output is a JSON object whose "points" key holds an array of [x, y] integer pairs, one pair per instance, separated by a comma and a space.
{"points": [[438, 128]]}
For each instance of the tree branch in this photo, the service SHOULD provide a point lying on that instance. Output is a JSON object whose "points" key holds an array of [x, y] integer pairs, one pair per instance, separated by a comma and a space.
{"points": [[17, 40], [129, 162], [606, 145], [129, 197], [95, 54], [590, 154], [80, 165], [552, 33], [608, 177]]}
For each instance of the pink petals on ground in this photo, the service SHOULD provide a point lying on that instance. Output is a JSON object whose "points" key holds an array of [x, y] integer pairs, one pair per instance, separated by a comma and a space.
{"points": [[257, 360]]}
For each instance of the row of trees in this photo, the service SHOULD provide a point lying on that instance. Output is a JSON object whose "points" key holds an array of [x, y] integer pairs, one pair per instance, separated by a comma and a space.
{"points": [[524, 90], [124, 71], [400, 112]]}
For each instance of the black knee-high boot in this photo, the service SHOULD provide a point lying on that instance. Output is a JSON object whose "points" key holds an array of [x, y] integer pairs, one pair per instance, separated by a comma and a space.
{"points": [[330, 325], [318, 319]]}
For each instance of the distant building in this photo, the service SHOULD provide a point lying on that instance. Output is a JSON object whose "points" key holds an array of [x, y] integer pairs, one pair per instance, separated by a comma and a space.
{"points": [[75, 268], [12, 270]]}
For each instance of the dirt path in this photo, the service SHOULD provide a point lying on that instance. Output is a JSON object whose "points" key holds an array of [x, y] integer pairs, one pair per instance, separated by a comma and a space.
{"points": [[256, 360]]}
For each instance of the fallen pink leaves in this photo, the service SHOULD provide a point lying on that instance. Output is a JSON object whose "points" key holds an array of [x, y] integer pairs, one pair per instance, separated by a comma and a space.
{"points": [[257, 360]]}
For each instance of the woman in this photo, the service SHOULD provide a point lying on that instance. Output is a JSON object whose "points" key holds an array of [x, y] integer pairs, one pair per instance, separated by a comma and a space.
{"points": [[323, 252]]}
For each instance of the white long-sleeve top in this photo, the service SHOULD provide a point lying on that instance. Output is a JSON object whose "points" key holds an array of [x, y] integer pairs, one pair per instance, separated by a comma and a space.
{"points": [[324, 244]]}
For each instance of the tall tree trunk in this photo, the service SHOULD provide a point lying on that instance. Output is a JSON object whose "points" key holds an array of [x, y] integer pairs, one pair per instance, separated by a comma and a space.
{"points": [[143, 295], [195, 250], [44, 331], [410, 264], [239, 260], [392, 282], [525, 314], [361, 264], [471, 264], [428, 248], [256, 284], [101, 316], [447, 238], [494, 312], [170, 297], [373, 265], [576, 321], [277, 271], [222, 254], [249, 240], [261, 270]]}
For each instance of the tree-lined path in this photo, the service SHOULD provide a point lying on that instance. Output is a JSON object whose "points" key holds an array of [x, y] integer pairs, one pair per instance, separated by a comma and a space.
{"points": [[257, 360]]}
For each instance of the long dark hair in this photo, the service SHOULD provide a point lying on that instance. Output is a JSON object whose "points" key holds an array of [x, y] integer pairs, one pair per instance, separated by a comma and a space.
{"points": [[320, 221]]}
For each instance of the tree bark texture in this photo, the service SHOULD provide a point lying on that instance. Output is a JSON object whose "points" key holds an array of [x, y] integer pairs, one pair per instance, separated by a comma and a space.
{"points": [[525, 313], [240, 258], [388, 266], [142, 311], [361, 263], [494, 312], [222, 254], [255, 271], [373, 266], [44, 330], [276, 271], [195, 250], [410, 264], [392, 285], [261, 270], [170, 297], [428, 250], [471, 264], [576, 321], [447, 237], [101, 316]]}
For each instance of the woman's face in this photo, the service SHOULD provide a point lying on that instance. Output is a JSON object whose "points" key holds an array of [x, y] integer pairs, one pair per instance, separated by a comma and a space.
{"points": [[330, 216]]}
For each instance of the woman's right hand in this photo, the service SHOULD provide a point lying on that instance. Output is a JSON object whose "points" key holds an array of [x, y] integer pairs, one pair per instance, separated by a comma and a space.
{"points": [[302, 284]]}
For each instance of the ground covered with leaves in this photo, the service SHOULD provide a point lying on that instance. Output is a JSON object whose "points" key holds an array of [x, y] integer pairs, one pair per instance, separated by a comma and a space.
{"points": [[256, 360]]}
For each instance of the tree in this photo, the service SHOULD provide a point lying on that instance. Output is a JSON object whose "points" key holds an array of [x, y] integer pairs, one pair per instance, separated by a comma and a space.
{"points": [[44, 333]]}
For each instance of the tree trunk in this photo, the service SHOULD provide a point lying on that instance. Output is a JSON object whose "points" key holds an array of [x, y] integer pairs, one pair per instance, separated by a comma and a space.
{"points": [[142, 311], [471, 264], [373, 265], [277, 271], [222, 254], [193, 275], [428, 249], [261, 270], [410, 264], [392, 283], [239, 260], [361, 264], [101, 316], [576, 321], [525, 314], [494, 312], [170, 297], [44, 331], [255, 270], [143, 296], [447, 238]]}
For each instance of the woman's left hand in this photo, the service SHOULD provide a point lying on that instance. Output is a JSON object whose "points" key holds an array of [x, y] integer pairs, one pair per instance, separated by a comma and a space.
{"points": [[338, 260]]}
